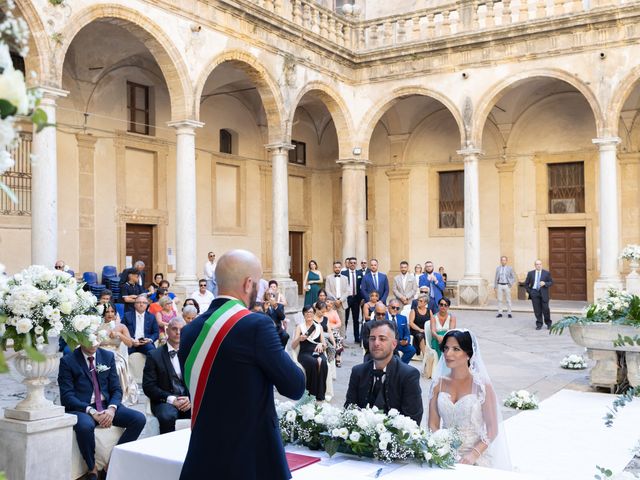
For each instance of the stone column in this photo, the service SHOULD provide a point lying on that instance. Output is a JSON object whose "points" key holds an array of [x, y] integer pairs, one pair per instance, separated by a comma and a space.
{"points": [[608, 216], [472, 287], [280, 221], [186, 225], [399, 213], [354, 208], [86, 202], [507, 211], [44, 185]]}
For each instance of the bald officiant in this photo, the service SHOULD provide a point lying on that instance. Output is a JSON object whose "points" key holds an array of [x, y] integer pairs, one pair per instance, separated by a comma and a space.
{"points": [[232, 358]]}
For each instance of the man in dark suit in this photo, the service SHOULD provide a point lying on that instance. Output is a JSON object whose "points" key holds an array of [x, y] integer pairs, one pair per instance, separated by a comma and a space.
{"points": [[384, 381], [354, 299], [235, 434], [90, 389], [142, 326], [537, 284], [363, 267], [436, 285], [375, 280], [163, 383], [403, 334], [137, 267]]}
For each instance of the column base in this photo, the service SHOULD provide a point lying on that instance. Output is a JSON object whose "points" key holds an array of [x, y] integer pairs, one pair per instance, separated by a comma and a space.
{"points": [[184, 288], [472, 291], [36, 449], [289, 289], [601, 286]]}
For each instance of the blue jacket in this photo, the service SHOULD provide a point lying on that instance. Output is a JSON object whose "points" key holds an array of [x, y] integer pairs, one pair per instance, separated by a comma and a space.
{"points": [[437, 289], [151, 329], [367, 286], [403, 332], [75, 383], [236, 432]]}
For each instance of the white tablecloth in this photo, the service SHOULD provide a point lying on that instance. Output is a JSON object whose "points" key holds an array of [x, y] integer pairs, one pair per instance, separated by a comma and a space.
{"points": [[161, 458]]}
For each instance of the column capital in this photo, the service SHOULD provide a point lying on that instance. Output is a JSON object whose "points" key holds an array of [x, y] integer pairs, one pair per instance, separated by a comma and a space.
{"points": [[86, 140], [505, 167], [52, 92], [469, 152], [279, 147], [398, 174], [353, 162], [185, 124], [606, 143]]}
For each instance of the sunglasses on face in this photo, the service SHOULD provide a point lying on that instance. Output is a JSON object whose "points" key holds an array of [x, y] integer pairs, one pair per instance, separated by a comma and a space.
{"points": [[443, 304], [58, 267], [203, 284], [394, 308]]}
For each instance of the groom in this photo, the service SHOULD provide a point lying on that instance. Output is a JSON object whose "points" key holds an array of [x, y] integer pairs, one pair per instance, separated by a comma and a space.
{"points": [[232, 358]]}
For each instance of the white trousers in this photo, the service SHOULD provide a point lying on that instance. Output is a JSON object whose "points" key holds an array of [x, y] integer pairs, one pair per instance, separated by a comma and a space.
{"points": [[504, 295]]}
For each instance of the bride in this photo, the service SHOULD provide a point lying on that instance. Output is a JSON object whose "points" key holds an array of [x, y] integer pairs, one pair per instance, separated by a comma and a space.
{"points": [[462, 398]]}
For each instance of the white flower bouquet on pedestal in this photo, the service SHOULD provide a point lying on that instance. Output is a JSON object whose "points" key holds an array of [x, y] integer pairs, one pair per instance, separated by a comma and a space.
{"points": [[573, 362], [521, 400], [631, 253]]}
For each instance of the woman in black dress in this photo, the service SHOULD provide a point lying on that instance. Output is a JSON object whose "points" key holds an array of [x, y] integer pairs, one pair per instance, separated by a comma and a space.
{"points": [[419, 321], [310, 339]]}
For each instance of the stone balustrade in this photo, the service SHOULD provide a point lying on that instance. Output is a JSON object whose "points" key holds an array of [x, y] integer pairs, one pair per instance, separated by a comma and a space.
{"points": [[461, 17]]}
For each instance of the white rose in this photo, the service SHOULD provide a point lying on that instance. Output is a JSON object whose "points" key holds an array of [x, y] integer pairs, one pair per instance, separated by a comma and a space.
{"points": [[344, 433], [7, 132], [385, 437], [80, 322], [318, 419], [393, 412], [443, 450], [354, 437], [23, 325], [92, 338], [382, 445], [427, 455], [523, 393], [14, 90], [335, 432], [380, 428], [39, 340], [291, 416], [66, 308], [38, 330]]}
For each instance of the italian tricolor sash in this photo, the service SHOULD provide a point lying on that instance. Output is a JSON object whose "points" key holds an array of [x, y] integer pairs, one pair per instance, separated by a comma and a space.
{"points": [[205, 349]]}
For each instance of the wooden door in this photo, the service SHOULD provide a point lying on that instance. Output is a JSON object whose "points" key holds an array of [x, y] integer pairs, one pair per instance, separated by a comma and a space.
{"points": [[296, 264], [568, 263], [140, 247]]}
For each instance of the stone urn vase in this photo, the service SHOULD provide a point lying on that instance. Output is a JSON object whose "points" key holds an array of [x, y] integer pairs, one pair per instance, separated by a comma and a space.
{"points": [[598, 339], [35, 405]]}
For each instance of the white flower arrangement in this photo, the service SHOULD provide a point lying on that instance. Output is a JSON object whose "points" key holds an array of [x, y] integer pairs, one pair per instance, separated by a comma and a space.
{"points": [[573, 362], [365, 432], [102, 368], [38, 303], [631, 253], [521, 400]]}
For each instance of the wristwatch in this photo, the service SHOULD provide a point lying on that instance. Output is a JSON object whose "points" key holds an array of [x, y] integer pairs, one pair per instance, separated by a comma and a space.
{"points": [[92, 411]]}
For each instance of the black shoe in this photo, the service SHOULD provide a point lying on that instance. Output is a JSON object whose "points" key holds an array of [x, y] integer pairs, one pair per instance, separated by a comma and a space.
{"points": [[538, 327], [548, 327], [91, 476], [499, 315], [510, 316]]}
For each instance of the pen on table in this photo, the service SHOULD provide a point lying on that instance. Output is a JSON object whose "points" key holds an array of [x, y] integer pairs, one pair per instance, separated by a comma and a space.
{"points": [[378, 473]]}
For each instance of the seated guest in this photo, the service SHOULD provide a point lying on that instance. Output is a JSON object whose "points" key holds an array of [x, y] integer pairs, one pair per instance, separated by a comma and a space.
{"points": [[275, 311], [419, 318], [155, 285], [155, 306], [164, 316], [203, 296], [163, 382], [369, 306], [166, 285], [193, 303], [90, 390], [106, 296], [130, 290], [441, 323], [334, 327], [142, 326], [403, 336], [273, 287], [308, 336], [424, 290], [384, 381], [189, 313], [379, 313]]}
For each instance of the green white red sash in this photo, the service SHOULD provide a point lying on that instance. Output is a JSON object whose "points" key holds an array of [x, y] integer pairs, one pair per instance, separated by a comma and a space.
{"points": [[205, 349]]}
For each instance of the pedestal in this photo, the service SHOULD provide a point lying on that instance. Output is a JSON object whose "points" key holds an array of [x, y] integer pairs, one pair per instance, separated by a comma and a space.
{"points": [[289, 289], [36, 449], [600, 287], [633, 368], [472, 291], [633, 279], [605, 372]]}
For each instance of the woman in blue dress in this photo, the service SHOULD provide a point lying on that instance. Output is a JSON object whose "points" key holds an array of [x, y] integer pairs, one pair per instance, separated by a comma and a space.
{"points": [[312, 282]]}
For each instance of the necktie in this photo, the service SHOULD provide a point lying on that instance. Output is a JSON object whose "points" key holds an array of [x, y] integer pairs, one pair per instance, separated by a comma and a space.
{"points": [[376, 387], [352, 276], [337, 275], [173, 354], [536, 285], [375, 280], [96, 387]]}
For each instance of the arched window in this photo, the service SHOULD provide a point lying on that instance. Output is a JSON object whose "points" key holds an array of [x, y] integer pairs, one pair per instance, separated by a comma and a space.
{"points": [[225, 141]]}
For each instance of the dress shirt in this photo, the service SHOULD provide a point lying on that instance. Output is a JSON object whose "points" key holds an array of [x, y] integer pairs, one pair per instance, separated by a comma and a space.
{"points": [[352, 281], [375, 280], [93, 395], [176, 367], [502, 278], [203, 300], [337, 282], [209, 270], [139, 331], [404, 281], [536, 283]]}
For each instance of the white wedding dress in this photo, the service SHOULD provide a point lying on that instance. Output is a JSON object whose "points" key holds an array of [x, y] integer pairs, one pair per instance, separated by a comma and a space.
{"points": [[464, 416]]}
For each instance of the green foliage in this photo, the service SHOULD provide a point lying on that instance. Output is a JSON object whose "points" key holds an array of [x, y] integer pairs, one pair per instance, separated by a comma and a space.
{"points": [[626, 340], [7, 108], [619, 403], [3, 369], [606, 473], [56, 2], [39, 119]]}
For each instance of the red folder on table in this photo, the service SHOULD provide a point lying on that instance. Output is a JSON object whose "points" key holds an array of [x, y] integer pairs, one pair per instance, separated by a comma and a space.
{"points": [[297, 461]]}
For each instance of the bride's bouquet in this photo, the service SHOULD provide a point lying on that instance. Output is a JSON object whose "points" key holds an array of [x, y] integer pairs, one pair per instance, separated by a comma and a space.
{"points": [[521, 400], [574, 362]]}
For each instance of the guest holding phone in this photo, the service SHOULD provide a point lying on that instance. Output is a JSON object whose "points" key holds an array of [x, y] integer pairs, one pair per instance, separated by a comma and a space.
{"points": [[142, 326], [309, 338]]}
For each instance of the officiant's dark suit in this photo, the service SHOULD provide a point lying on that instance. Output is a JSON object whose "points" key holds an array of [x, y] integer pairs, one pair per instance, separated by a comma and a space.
{"points": [[400, 389], [236, 434], [77, 397], [354, 279], [539, 294], [159, 382]]}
